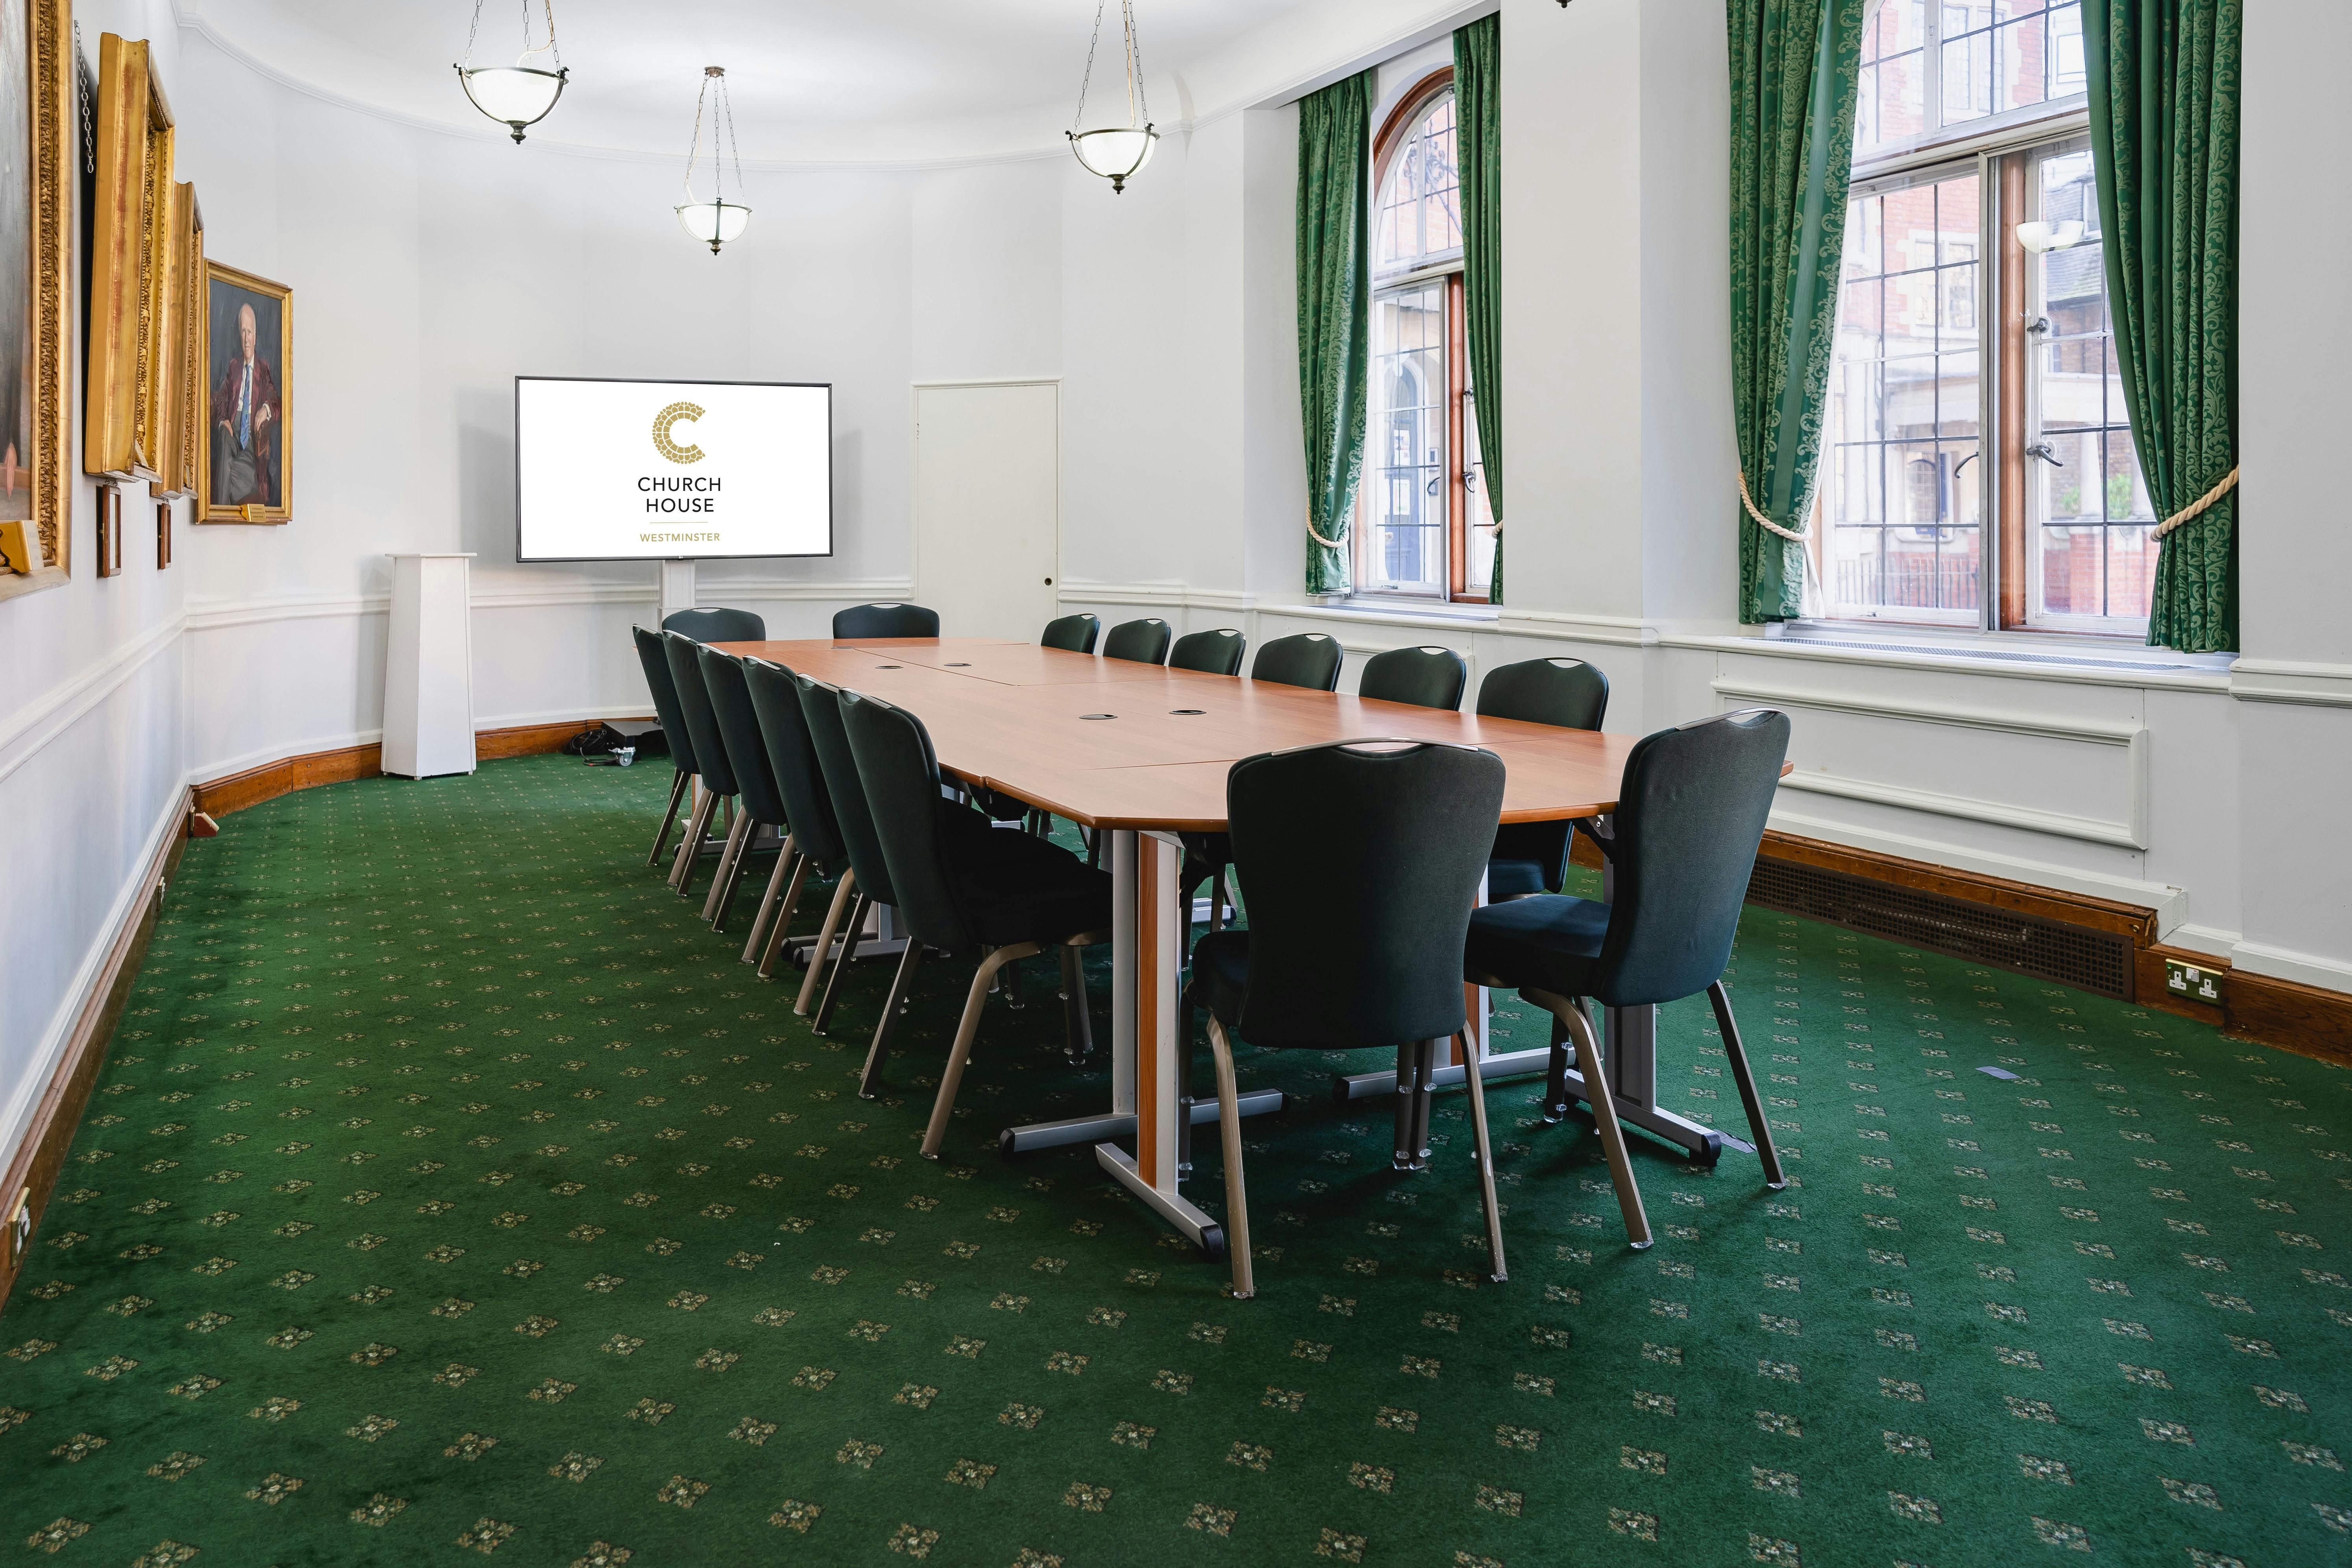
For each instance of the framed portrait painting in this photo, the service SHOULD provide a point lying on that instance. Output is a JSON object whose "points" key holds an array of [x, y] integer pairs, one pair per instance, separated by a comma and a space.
{"points": [[245, 459], [37, 139]]}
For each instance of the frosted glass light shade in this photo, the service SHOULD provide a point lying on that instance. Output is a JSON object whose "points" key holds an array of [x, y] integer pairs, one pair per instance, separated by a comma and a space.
{"points": [[516, 96], [1116, 152], [2044, 238], [714, 222]]}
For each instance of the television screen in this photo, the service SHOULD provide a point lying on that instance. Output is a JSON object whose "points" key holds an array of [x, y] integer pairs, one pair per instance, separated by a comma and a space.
{"points": [[610, 471]]}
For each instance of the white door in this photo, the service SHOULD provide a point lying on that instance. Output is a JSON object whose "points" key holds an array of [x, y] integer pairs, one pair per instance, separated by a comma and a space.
{"points": [[987, 507]]}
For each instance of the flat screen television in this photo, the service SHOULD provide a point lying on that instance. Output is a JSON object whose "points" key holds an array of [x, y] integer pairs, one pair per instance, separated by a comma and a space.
{"points": [[627, 470]]}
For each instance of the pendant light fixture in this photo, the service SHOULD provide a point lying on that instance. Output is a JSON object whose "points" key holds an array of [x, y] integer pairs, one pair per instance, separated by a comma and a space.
{"points": [[519, 95], [1116, 152], [717, 220]]}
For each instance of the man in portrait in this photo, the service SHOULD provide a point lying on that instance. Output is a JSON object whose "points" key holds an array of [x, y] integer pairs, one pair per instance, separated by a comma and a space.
{"points": [[245, 413]]}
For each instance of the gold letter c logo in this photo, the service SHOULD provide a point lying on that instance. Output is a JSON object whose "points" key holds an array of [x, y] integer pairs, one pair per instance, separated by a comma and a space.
{"points": [[668, 448]]}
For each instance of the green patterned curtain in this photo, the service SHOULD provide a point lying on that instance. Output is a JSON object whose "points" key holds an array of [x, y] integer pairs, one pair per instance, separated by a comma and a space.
{"points": [[1335, 154], [1478, 117], [2164, 139], [1794, 66]]}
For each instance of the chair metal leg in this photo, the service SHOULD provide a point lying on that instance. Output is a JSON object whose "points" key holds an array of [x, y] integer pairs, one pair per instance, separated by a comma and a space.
{"points": [[1229, 1122], [1604, 1112], [1555, 1096], [1077, 1021], [870, 1081], [788, 871], [730, 863], [669, 818], [849, 939], [842, 892], [1486, 1153], [1408, 1061], [782, 923], [697, 822], [1217, 900], [1732, 1046], [1424, 1087], [1009, 982], [951, 1076]]}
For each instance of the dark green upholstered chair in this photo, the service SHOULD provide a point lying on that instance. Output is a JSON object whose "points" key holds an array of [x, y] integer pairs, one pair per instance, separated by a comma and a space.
{"points": [[1532, 857], [1212, 653], [718, 625], [710, 752], [757, 802], [1362, 866], [663, 687], [997, 901], [885, 621], [869, 872], [1072, 634], [1425, 676], [792, 756], [1143, 642], [1309, 658], [1690, 815]]}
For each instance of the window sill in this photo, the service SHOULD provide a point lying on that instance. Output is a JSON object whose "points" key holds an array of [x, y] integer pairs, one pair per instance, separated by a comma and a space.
{"points": [[2036, 656], [1435, 613]]}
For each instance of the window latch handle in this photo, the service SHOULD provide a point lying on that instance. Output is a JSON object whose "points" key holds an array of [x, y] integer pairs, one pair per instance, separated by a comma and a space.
{"points": [[2042, 449], [2038, 324]]}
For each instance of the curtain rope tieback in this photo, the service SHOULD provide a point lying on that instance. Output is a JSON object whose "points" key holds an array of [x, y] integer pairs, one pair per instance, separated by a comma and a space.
{"points": [[2196, 509], [1761, 520], [1338, 544]]}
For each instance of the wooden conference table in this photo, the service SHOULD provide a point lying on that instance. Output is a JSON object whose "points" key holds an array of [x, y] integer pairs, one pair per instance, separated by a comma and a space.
{"points": [[1140, 753]]}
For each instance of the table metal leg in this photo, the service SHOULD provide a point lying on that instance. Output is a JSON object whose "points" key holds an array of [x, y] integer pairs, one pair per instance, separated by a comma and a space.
{"points": [[1146, 934], [1147, 1045]]}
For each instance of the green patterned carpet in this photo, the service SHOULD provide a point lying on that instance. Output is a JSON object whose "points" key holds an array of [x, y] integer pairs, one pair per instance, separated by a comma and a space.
{"points": [[451, 1190]]}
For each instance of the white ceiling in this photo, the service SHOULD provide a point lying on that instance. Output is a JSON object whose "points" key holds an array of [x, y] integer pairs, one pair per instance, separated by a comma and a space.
{"points": [[853, 80]]}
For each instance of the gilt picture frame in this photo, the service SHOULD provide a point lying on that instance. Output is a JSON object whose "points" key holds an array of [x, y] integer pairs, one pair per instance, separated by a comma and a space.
{"points": [[124, 412], [182, 369], [244, 457], [37, 173]]}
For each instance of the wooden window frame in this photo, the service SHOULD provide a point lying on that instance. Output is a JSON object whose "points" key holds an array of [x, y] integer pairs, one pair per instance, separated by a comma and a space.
{"points": [[1402, 121]]}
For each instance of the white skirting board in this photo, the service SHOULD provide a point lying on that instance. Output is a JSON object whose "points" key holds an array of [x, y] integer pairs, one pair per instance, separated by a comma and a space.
{"points": [[428, 677]]}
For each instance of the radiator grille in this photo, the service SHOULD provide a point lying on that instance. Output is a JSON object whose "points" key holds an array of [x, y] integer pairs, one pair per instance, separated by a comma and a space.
{"points": [[2095, 961]]}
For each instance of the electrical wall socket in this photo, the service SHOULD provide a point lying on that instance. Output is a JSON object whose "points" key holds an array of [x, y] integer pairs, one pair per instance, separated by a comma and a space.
{"points": [[2188, 980]]}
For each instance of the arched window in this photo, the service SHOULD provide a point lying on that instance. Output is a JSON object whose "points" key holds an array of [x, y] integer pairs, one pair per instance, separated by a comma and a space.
{"points": [[1424, 528]]}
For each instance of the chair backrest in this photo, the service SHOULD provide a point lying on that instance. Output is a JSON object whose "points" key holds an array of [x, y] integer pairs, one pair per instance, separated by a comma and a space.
{"points": [[1144, 642], [821, 705], [738, 731], [664, 687], [1212, 653], [800, 778], [717, 626], [1072, 634], [885, 621], [1309, 658], [694, 707], [1360, 866], [1568, 693], [901, 776], [1425, 676], [1690, 815]]}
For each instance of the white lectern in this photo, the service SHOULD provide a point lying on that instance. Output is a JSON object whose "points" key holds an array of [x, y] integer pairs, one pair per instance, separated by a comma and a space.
{"points": [[429, 676]]}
